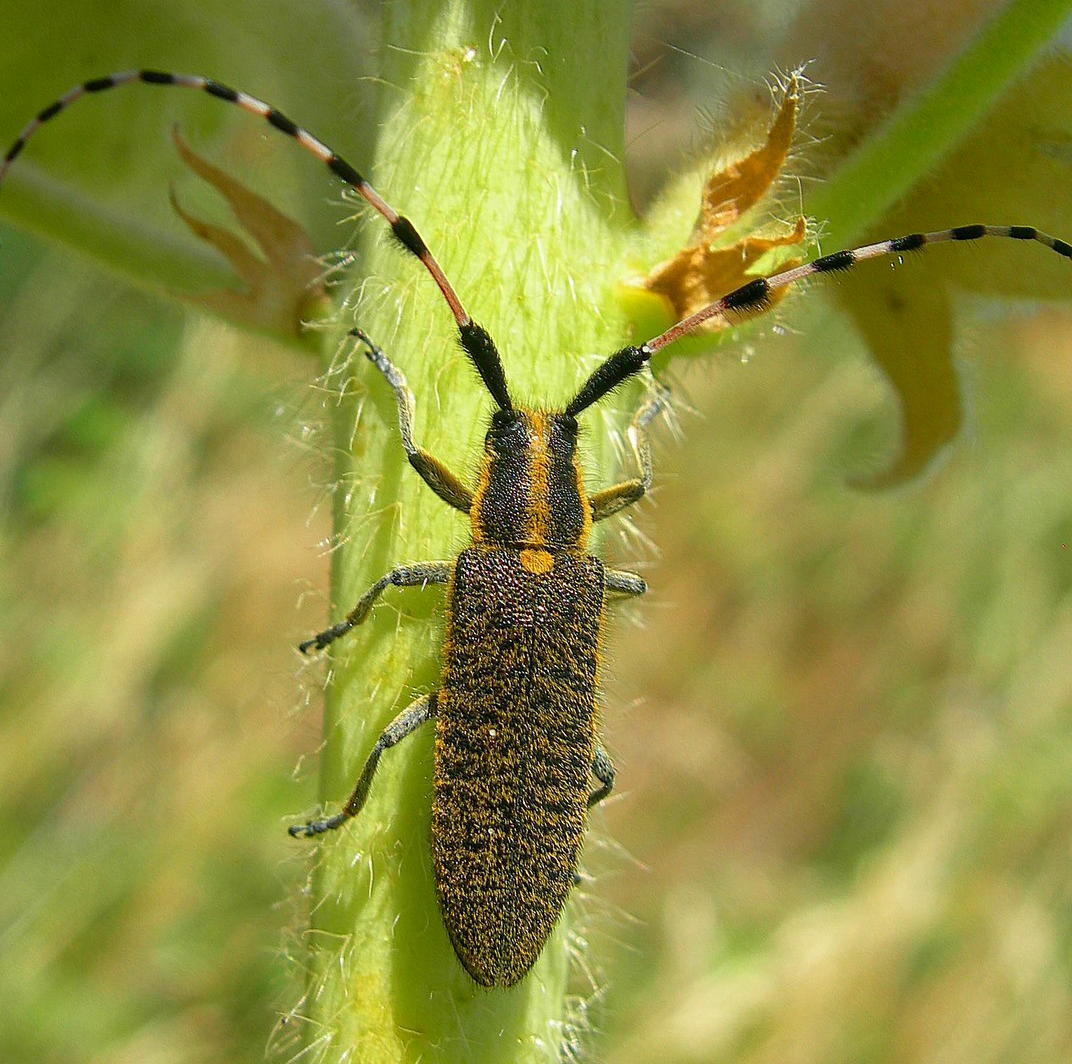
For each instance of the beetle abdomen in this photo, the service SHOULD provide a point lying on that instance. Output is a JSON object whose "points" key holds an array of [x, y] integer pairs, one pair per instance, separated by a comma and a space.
{"points": [[515, 737]]}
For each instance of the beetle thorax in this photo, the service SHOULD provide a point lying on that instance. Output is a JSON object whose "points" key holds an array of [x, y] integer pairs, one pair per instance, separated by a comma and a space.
{"points": [[531, 492]]}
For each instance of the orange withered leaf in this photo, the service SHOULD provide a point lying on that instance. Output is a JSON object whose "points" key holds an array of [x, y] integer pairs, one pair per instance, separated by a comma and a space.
{"points": [[741, 185], [701, 273]]}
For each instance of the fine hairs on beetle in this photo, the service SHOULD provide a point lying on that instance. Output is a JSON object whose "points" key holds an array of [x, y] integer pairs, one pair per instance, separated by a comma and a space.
{"points": [[516, 748]]}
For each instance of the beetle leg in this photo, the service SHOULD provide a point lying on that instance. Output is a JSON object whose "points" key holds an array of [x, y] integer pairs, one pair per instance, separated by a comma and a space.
{"points": [[409, 720], [603, 770], [432, 471], [623, 582], [608, 502], [419, 575]]}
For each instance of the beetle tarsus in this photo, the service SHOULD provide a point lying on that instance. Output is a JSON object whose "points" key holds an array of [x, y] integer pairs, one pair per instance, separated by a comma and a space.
{"points": [[316, 827]]}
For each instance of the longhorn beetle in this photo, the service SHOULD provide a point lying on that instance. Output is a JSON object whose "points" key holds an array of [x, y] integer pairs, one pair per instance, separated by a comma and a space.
{"points": [[515, 709]]}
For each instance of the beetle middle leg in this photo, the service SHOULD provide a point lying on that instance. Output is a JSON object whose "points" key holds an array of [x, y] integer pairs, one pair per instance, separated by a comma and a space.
{"points": [[432, 471], [624, 583], [408, 721], [608, 502], [419, 575]]}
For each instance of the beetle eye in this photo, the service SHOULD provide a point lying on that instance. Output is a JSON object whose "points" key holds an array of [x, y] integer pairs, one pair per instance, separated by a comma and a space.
{"points": [[506, 431]]}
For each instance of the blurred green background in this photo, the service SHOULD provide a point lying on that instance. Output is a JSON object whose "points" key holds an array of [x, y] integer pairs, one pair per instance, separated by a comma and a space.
{"points": [[840, 720]]}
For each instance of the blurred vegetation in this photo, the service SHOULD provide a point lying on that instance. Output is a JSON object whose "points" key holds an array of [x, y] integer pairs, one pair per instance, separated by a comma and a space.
{"points": [[156, 537], [840, 721]]}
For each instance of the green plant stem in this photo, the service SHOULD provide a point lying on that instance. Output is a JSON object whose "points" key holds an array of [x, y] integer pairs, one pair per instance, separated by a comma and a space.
{"points": [[931, 124], [501, 139]]}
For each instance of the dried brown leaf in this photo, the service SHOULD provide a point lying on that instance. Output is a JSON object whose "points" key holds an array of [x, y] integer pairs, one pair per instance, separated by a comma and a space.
{"points": [[907, 318], [906, 321], [285, 287]]}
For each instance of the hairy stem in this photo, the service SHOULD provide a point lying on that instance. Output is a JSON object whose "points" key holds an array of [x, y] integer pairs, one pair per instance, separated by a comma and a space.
{"points": [[501, 140]]}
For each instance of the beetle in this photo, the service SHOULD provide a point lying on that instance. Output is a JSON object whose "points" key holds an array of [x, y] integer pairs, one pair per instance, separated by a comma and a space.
{"points": [[515, 711], [515, 708]]}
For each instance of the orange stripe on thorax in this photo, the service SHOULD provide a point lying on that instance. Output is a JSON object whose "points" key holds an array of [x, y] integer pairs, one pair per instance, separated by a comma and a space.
{"points": [[538, 525]]}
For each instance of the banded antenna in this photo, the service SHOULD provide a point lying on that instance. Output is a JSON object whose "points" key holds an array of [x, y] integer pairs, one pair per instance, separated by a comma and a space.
{"points": [[755, 296], [475, 340]]}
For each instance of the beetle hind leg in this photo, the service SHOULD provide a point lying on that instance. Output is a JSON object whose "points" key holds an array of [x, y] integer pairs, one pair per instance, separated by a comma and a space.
{"points": [[603, 770]]}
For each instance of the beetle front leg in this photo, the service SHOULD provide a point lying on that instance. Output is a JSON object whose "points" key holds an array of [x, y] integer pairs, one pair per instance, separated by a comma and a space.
{"points": [[408, 721], [432, 471], [608, 502], [420, 575]]}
